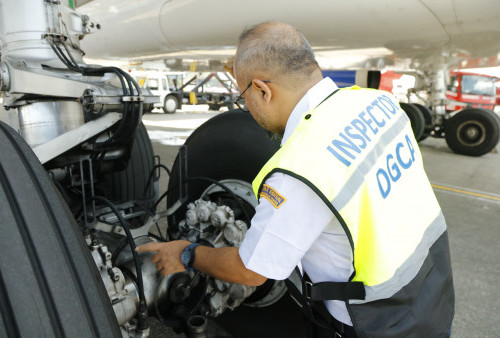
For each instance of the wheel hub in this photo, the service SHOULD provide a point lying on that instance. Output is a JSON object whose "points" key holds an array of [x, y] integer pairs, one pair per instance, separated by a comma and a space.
{"points": [[471, 133], [170, 104]]}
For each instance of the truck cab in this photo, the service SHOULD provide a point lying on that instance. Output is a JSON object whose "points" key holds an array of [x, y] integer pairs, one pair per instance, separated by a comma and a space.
{"points": [[470, 90], [166, 85]]}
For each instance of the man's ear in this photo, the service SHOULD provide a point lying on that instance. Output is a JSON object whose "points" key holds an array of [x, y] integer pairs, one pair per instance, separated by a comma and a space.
{"points": [[264, 89], [229, 66]]}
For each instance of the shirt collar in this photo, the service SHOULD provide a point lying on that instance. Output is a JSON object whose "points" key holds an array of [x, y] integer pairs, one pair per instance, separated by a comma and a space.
{"points": [[309, 101]]}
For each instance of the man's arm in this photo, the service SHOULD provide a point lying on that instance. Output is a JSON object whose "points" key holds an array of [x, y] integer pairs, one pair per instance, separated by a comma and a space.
{"points": [[222, 263]]}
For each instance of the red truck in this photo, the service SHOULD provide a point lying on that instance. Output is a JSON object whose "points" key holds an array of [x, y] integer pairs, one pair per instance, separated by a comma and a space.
{"points": [[471, 90]]}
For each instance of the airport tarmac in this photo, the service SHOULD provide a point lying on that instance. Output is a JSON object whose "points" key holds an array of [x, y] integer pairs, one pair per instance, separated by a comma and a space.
{"points": [[468, 190]]}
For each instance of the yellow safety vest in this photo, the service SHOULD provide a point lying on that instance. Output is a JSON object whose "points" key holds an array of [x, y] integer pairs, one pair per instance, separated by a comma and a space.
{"points": [[357, 151]]}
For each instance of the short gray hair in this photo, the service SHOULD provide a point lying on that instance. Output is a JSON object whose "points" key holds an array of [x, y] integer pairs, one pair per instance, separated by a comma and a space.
{"points": [[275, 48]]}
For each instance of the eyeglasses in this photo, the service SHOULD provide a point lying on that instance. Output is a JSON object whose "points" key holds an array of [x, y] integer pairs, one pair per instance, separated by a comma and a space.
{"points": [[240, 100]]}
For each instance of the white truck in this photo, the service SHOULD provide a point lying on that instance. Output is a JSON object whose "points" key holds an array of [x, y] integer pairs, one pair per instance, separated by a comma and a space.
{"points": [[176, 88]]}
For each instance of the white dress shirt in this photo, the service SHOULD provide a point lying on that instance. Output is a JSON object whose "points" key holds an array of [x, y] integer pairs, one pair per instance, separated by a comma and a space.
{"points": [[303, 230]]}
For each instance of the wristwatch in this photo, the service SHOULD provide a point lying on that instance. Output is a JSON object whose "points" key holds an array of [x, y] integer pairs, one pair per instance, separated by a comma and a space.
{"points": [[187, 256]]}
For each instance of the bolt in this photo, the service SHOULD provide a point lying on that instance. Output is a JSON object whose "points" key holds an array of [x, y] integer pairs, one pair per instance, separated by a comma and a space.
{"points": [[114, 276]]}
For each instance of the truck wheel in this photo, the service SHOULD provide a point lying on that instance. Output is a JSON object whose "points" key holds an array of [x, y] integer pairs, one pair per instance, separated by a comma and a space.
{"points": [[427, 114], [472, 132], [230, 145], [49, 284], [416, 119], [171, 104], [214, 107]]}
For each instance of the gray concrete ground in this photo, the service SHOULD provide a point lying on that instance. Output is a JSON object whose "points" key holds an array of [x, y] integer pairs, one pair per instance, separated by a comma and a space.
{"points": [[468, 189]]}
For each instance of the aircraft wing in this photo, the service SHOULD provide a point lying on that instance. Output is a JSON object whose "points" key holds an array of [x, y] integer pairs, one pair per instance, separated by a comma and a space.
{"points": [[155, 29]]}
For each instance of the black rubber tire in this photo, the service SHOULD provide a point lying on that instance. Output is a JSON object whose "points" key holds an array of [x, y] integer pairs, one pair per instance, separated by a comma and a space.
{"points": [[215, 107], [229, 145], [416, 119], [472, 132], [428, 119], [129, 184], [49, 284], [170, 104]]}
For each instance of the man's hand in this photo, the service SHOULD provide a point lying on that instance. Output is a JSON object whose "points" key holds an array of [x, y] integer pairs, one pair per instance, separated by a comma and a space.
{"points": [[221, 263], [168, 255]]}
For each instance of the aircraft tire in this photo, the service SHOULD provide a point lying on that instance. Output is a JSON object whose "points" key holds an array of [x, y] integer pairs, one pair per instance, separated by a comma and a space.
{"points": [[170, 104], [49, 284], [416, 117], [130, 183], [427, 114], [472, 132]]}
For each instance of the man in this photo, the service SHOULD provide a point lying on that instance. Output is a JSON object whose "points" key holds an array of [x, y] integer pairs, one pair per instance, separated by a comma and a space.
{"points": [[346, 197]]}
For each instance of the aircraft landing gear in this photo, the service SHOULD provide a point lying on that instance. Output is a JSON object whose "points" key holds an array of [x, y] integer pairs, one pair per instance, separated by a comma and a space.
{"points": [[471, 131]]}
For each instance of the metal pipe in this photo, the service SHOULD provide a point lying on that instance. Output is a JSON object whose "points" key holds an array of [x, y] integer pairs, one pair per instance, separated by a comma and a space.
{"points": [[196, 327]]}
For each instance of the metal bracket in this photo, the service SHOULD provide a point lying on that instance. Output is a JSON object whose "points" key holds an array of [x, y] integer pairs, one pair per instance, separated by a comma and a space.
{"points": [[132, 98], [91, 220], [55, 147]]}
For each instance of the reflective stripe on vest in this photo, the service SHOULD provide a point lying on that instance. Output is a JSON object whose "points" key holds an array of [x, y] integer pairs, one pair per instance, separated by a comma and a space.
{"points": [[357, 151]]}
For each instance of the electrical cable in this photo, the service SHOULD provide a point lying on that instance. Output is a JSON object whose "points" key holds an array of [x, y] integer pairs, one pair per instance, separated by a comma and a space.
{"points": [[150, 178], [161, 198], [159, 231], [71, 57], [132, 83], [60, 188], [142, 313], [61, 57], [74, 45]]}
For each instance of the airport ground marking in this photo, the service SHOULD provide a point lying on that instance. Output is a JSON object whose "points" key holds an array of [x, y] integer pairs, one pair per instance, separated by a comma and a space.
{"points": [[467, 192]]}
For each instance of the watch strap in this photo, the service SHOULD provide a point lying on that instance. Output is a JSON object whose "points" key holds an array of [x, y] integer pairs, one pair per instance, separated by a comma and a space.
{"points": [[190, 248]]}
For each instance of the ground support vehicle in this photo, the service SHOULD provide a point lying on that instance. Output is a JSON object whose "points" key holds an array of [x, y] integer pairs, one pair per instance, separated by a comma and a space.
{"points": [[78, 193], [214, 89], [163, 84], [221, 93], [470, 90]]}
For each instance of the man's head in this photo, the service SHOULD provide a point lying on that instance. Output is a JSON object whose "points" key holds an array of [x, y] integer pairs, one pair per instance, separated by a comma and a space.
{"points": [[277, 65]]}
